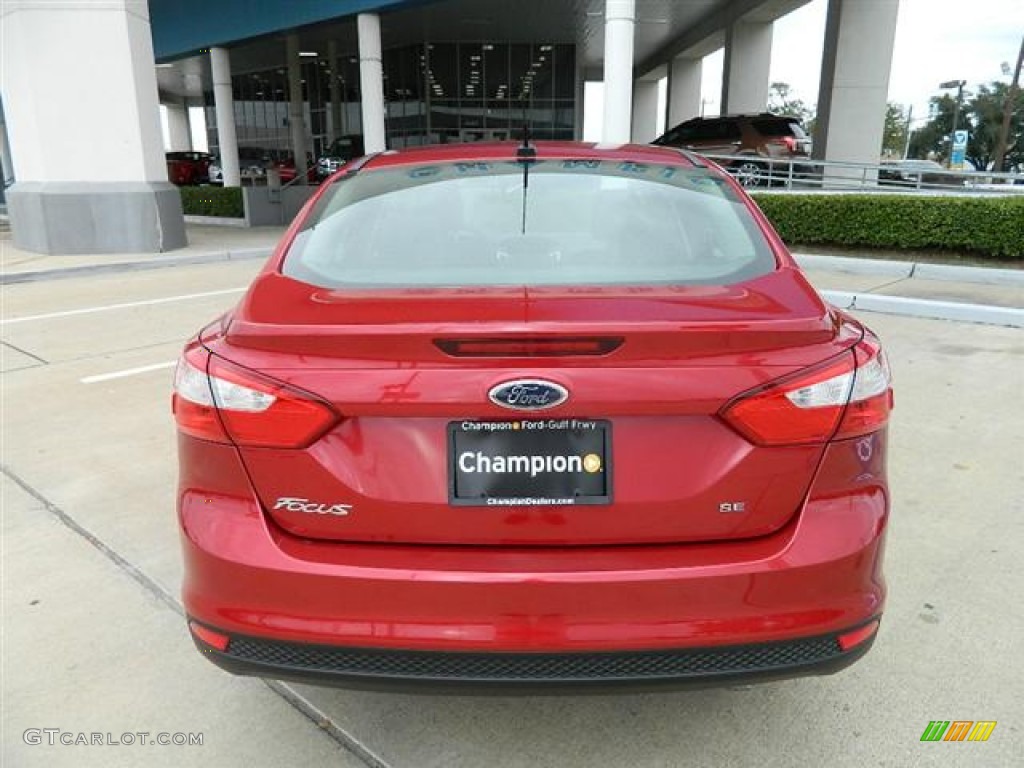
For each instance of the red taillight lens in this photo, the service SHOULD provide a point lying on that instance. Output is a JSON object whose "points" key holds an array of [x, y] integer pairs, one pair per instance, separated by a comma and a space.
{"points": [[216, 400], [209, 636], [192, 401], [852, 639], [871, 400], [847, 397]]}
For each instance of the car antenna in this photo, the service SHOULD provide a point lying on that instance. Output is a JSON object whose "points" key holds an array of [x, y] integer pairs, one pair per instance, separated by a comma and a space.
{"points": [[526, 155]]}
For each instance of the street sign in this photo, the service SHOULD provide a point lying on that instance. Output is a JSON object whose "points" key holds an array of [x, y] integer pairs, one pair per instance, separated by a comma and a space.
{"points": [[956, 157]]}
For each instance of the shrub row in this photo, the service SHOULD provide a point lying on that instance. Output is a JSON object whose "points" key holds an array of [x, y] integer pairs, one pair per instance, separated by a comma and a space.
{"points": [[986, 226], [213, 201]]}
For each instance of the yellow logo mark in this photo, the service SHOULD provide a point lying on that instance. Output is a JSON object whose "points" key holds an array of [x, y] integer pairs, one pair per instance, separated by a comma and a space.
{"points": [[982, 730], [592, 463]]}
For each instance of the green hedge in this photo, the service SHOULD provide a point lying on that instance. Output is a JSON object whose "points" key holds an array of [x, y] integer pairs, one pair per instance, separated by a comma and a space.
{"points": [[225, 202], [986, 226]]}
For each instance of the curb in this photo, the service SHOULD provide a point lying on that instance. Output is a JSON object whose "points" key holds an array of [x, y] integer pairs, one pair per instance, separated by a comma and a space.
{"points": [[910, 269], [927, 308], [11, 278], [217, 221]]}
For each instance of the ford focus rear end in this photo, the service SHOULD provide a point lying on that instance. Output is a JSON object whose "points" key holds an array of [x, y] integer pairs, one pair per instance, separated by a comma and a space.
{"points": [[532, 416]]}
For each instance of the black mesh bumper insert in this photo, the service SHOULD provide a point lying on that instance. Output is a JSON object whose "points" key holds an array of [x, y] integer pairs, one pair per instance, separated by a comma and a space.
{"points": [[533, 667]]}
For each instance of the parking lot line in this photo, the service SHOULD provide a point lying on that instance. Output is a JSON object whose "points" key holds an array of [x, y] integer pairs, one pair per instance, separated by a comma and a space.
{"points": [[127, 372], [124, 305]]}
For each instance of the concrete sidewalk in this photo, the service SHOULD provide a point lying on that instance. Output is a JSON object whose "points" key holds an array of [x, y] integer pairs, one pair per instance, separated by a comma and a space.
{"points": [[966, 294], [206, 244]]}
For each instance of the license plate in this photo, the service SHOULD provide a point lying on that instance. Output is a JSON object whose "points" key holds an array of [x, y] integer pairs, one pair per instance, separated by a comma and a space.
{"points": [[529, 462]]}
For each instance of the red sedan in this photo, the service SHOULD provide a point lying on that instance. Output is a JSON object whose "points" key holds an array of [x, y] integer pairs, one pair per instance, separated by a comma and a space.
{"points": [[188, 168], [536, 415]]}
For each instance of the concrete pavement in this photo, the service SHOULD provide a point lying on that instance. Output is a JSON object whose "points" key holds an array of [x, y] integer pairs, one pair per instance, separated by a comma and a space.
{"points": [[206, 243], [89, 650], [93, 640]]}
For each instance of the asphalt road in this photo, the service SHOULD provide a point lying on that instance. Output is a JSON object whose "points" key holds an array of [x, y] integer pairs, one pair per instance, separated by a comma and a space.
{"points": [[93, 640]]}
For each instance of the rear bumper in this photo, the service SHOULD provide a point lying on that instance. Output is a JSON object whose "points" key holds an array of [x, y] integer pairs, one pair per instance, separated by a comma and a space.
{"points": [[376, 669], [275, 594]]}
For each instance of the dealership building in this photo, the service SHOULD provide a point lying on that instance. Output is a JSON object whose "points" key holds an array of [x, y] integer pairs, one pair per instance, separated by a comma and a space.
{"points": [[82, 147]]}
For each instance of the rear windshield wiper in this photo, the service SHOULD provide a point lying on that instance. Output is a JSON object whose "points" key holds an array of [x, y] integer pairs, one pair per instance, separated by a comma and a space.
{"points": [[526, 156]]}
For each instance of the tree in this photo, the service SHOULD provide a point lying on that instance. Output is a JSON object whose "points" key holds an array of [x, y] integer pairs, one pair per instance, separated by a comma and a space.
{"points": [[782, 102], [894, 136], [985, 113], [931, 139], [1009, 107], [981, 115]]}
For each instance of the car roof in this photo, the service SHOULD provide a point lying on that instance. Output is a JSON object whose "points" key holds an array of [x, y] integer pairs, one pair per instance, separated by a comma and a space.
{"points": [[546, 150], [742, 116]]}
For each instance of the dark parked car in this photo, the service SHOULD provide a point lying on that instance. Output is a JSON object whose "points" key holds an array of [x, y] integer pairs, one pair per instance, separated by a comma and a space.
{"points": [[915, 173], [338, 153], [252, 165], [188, 168], [535, 415], [752, 139]]}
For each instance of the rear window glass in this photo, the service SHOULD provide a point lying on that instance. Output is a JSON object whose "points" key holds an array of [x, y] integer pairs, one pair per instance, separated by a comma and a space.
{"points": [[769, 127], [573, 222]]}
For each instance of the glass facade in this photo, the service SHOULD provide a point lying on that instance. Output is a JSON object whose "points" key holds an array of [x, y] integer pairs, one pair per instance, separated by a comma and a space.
{"points": [[434, 93]]}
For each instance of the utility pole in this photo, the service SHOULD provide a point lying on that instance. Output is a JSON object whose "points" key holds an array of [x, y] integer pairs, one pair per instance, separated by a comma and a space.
{"points": [[907, 131], [959, 85], [1004, 130]]}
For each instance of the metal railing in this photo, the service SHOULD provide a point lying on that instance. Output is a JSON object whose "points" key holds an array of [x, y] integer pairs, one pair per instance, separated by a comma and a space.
{"points": [[800, 174]]}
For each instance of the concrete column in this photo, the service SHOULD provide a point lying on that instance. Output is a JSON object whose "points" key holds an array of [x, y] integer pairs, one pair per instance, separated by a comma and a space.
{"points": [[855, 68], [619, 21], [6, 163], [748, 57], [684, 81], [337, 129], [83, 119], [645, 126], [179, 133], [578, 89], [371, 82], [224, 109], [296, 108]]}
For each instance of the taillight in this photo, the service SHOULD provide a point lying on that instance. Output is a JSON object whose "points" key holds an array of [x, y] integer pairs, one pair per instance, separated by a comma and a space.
{"points": [[216, 400], [847, 397], [789, 142]]}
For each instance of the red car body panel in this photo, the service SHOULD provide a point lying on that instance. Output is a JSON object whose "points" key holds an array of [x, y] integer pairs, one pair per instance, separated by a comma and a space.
{"points": [[819, 574], [664, 565]]}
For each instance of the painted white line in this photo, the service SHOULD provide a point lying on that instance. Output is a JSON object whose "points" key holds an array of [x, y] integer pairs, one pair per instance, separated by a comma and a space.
{"points": [[125, 305], [127, 372]]}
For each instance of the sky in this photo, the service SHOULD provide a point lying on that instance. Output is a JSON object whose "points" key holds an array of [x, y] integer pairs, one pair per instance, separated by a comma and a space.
{"points": [[936, 41]]}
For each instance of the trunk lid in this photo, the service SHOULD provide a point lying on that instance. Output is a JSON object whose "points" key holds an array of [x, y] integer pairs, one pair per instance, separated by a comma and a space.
{"points": [[413, 404]]}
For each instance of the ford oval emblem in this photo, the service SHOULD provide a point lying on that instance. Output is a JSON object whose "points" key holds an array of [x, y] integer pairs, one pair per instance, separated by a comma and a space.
{"points": [[528, 394]]}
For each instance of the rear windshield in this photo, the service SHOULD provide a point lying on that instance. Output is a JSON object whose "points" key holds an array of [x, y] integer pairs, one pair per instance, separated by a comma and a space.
{"points": [[549, 222], [770, 127]]}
